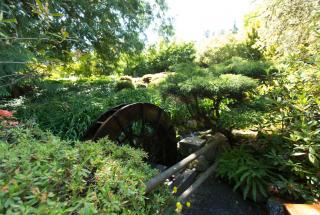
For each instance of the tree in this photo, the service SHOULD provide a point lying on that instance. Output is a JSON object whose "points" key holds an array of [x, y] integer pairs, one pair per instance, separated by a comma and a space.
{"points": [[290, 28], [46, 30], [193, 86]]}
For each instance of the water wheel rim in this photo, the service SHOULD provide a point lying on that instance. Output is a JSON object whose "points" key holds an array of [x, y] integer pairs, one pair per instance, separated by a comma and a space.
{"points": [[124, 116]]}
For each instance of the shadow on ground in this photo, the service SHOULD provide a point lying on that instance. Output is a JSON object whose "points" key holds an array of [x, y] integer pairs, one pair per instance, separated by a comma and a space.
{"points": [[217, 197]]}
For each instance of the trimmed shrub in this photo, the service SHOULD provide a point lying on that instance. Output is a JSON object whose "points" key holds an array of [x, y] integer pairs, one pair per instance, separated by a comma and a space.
{"points": [[41, 174], [195, 86], [124, 84], [236, 65]]}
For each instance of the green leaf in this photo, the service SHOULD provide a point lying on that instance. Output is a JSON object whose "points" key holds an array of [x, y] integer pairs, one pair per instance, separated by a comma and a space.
{"points": [[246, 191], [56, 14], [9, 20], [40, 5], [254, 190]]}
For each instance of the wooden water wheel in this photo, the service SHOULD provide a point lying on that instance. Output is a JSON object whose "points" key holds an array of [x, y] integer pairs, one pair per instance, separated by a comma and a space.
{"points": [[140, 125]]}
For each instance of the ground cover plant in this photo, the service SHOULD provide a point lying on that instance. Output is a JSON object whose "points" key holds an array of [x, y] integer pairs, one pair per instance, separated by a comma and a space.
{"points": [[41, 174]]}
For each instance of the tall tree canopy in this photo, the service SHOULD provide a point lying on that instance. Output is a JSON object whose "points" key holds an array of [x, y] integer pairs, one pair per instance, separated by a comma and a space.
{"points": [[291, 28], [35, 29], [108, 26]]}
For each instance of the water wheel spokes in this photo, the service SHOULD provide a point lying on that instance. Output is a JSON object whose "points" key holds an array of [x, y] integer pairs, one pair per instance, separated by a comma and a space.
{"points": [[140, 125]]}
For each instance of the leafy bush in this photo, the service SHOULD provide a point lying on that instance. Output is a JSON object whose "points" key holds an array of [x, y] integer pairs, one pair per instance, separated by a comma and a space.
{"points": [[41, 174], [236, 65], [159, 58], [249, 174], [241, 117], [67, 108], [123, 84], [195, 86], [224, 51], [296, 100]]}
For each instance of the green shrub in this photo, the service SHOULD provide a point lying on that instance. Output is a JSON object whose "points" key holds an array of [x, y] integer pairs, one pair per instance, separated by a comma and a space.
{"points": [[13, 75], [195, 86], [236, 65], [159, 58], [249, 174], [295, 98], [124, 84], [41, 174], [67, 108], [232, 48]]}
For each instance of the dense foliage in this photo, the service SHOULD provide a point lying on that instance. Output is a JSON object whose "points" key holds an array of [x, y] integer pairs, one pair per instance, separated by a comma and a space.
{"points": [[67, 108], [249, 174], [236, 65], [265, 81], [194, 85], [49, 31], [160, 58], [41, 174], [289, 128], [221, 50]]}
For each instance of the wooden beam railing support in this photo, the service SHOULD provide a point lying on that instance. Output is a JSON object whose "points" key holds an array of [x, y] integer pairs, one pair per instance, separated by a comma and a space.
{"points": [[202, 177], [159, 179]]}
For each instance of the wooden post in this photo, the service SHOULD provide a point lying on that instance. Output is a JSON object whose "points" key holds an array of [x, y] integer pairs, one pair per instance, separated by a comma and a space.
{"points": [[159, 179]]}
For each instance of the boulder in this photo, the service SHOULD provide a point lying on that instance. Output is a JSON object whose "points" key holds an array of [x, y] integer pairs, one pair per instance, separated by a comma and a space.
{"points": [[192, 124], [126, 78], [189, 145], [141, 85], [244, 134]]}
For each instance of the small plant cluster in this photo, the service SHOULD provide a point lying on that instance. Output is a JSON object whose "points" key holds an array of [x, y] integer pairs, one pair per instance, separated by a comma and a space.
{"points": [[249, 174], [41, 174]]}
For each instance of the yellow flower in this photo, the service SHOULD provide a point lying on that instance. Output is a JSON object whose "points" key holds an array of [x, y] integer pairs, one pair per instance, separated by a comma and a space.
{"points": [[178, 207], [175, 189], [188, 204]]}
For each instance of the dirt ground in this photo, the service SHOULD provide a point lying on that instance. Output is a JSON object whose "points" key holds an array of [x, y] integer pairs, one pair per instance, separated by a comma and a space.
{"points": [[217, 198]]}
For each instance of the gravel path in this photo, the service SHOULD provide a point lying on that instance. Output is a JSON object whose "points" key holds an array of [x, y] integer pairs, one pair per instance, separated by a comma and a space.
{"points": [[216, 197]]}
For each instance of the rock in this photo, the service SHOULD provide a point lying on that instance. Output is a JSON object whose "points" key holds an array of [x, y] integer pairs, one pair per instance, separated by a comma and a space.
{"points": [[192, 124], [126, 78], [140, 85], [189, 145], [221, 144], [147, 79], [205, 134], [275, 207], [244, 134]]}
